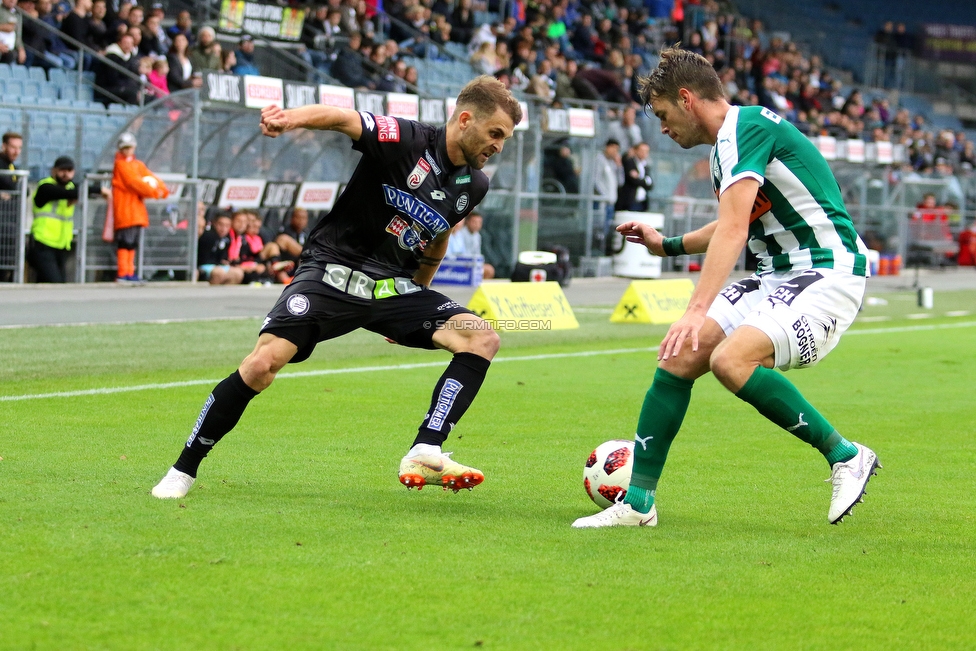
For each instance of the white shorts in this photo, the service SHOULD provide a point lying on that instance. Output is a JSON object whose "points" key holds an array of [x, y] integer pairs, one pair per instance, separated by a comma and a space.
{"points": [[804, 313]]}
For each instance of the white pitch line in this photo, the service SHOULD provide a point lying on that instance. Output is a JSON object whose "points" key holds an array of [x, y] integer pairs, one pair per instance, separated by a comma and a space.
{"points": [[302, 374], [403, 367]]}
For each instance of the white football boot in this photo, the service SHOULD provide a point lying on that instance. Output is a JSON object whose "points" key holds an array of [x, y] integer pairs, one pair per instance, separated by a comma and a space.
{"points": [[175, 485], [850, 478], [438, 469], [619, 514]]}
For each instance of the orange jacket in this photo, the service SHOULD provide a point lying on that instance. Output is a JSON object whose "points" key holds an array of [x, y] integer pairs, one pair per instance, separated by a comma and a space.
{"points": [[129, 189]]}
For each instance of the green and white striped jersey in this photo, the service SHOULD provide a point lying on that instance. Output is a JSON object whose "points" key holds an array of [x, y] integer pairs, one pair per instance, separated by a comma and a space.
{"points": [[799, 220]]}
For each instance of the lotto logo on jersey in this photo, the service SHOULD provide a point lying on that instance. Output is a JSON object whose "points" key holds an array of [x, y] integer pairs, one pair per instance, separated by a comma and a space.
{"points": [[407, 237], [419, 173], [389, 129]]}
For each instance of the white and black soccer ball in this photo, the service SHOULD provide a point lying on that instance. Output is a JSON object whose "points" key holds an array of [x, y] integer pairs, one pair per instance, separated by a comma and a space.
{"points": [[607, 472]]}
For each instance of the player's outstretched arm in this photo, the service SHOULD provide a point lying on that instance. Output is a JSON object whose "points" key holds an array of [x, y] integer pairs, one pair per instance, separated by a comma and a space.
{"points": [[276, 120], [640, 233]]}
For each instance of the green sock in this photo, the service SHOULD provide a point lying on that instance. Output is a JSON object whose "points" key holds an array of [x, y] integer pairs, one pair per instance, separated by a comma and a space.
{"points": [[777, 399], [660, 419]]}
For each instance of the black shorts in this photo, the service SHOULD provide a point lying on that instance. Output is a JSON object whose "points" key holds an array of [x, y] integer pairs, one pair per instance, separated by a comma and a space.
{"points": [[127, 238], [309, 311]]}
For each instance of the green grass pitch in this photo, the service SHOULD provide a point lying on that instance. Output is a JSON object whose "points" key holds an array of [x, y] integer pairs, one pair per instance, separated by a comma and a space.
{"points": [[297, 534]]}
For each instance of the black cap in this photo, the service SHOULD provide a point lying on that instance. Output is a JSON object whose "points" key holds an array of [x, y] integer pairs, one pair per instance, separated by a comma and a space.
{"points": [[64, 163], [246, 37], [612, 141]]}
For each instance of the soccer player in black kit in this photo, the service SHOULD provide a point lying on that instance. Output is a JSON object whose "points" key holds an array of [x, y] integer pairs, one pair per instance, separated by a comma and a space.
{"points": [[368, 264]]}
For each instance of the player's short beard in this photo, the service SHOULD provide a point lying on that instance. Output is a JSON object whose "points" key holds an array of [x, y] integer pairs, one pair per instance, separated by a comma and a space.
{"points": [[472, 159]]}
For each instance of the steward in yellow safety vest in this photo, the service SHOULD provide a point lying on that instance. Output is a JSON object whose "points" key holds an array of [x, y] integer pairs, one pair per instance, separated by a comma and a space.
{"points": [[54, 214]]}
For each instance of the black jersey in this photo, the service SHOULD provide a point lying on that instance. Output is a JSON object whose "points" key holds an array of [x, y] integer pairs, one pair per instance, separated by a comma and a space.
{"points": [[404, 192], [212, 248]]}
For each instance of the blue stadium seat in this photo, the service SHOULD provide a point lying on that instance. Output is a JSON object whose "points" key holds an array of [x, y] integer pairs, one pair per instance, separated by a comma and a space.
{"points": [[32, 88], [5, 72], [62, 102], [14, 87], [37, 74], [19, 72], [57, 76], [68, 92], [10, 99]]}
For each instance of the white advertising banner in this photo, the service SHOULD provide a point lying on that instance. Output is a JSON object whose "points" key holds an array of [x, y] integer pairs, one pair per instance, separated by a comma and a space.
{"points": [[338, 96], [317, 195], [582, 122], [241, 193], [402, 105], [262, 91]]}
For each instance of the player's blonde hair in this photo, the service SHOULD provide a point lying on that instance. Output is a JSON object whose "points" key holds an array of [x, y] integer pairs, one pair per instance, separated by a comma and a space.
{"points": [[483, 95], [679, 69]]}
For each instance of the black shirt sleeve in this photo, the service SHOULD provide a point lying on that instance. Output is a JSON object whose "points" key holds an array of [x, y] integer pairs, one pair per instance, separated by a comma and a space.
{"points": [[385, 139], [53, 192]]}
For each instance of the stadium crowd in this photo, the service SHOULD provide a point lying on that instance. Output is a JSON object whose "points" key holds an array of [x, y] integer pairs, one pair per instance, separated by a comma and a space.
{"points": [[558, 50]]}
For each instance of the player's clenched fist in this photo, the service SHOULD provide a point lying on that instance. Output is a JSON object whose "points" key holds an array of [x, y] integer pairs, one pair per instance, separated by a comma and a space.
{"points": [[274, 121]]}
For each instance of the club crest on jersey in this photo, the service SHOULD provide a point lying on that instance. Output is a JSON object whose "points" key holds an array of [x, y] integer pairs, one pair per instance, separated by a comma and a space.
{"points": [[461, 203], [389, 129], [407, 237], [297, 304], [419, 173]]}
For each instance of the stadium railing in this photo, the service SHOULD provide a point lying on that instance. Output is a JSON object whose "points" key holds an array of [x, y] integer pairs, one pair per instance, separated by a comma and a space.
{"points": [[15, 222]]}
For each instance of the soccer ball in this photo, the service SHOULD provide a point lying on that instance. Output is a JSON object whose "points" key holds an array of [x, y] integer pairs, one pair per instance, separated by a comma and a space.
{"points": [[607, 472], [151, 181]]}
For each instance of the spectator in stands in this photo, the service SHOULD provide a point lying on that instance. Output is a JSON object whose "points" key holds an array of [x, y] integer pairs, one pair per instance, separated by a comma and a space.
{"points": [[967, 247], [228, 59], [608, 175], [462, 22], [180, 69], [213, 254], [184, 26], [53, 227], [98, 30], [469, 239], [633, 194], [122, 84], [563, 169], [13, 143], [348, 66], [151, 44], [292, 235], [158, 77], [132, 184], [78, 26], [11, 26], [625, 130], [485, 60], [412, 77], [34, 39], [596, 84], [245, 57], [205, 55], [136, 16], [56, 51]]}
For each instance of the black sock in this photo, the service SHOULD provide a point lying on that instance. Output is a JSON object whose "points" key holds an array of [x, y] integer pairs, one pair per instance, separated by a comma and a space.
{"points": [[219, 415], [453, 394]]}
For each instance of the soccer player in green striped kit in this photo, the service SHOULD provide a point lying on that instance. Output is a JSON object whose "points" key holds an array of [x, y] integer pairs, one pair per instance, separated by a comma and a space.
{"points": [[776, 192]]}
